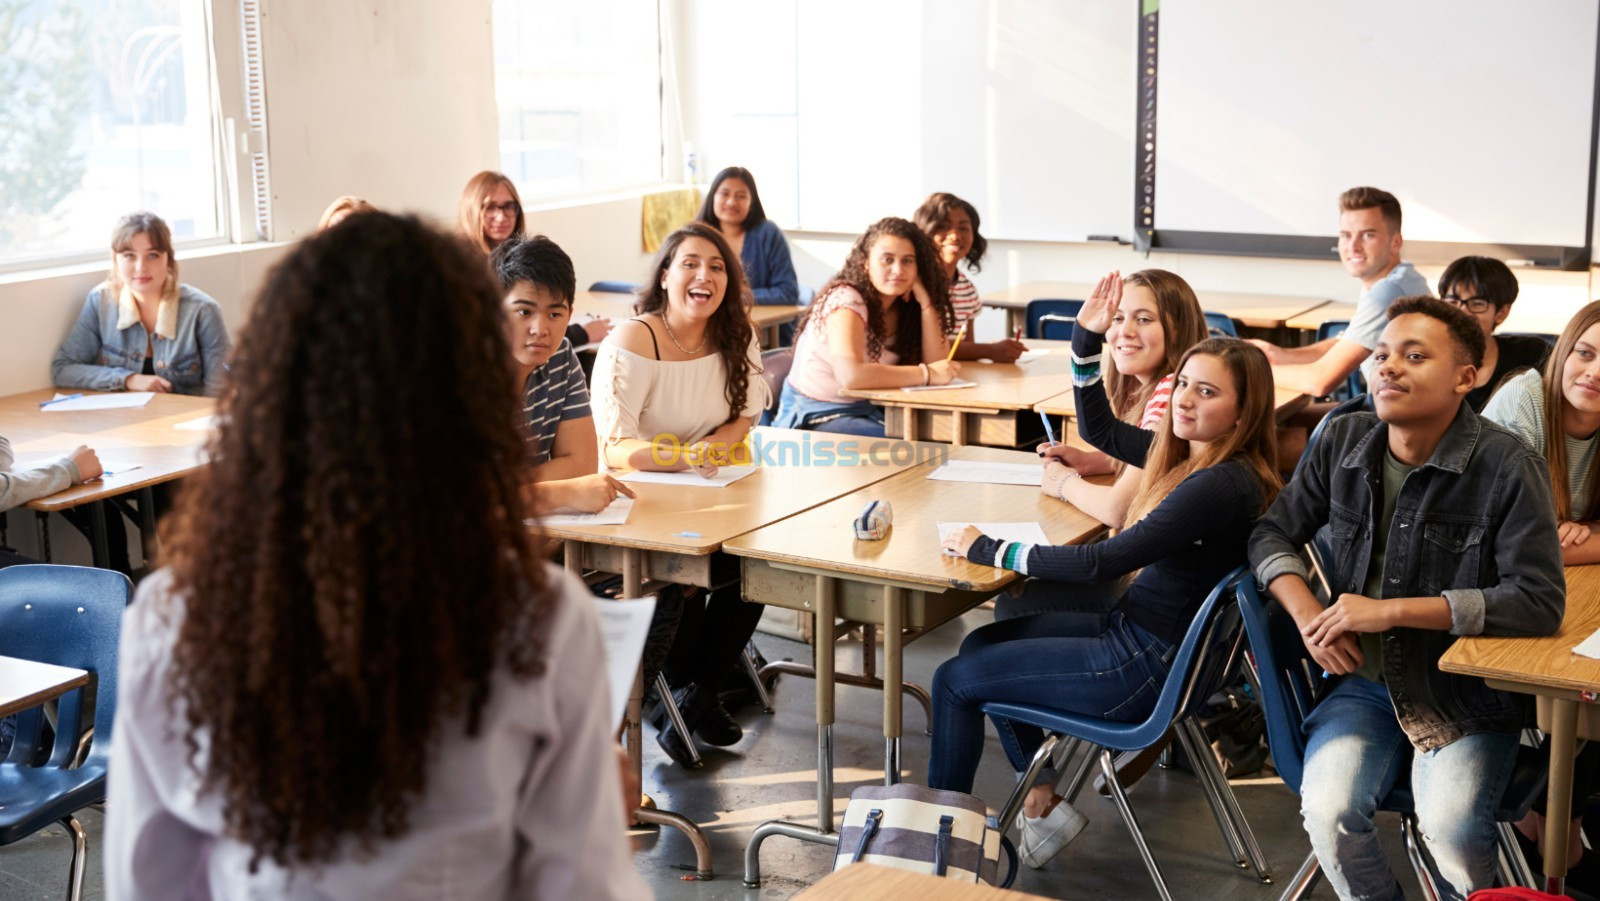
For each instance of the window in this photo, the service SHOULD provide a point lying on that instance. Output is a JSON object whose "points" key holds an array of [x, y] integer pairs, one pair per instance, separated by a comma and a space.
{"points": [[109, 110], [579, 91]]}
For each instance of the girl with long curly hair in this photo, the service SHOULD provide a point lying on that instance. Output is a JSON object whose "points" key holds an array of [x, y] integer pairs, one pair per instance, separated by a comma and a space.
{"points": [[881, 322], [677, 388], [354, 677]]}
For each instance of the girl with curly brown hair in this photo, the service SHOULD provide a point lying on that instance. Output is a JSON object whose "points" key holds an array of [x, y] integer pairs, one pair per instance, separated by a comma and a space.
{"points": [[880, 322], [355, 678]]}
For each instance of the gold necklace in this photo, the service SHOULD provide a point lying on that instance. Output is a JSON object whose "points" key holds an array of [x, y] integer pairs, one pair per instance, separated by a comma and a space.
{"points": [[674, 338]]}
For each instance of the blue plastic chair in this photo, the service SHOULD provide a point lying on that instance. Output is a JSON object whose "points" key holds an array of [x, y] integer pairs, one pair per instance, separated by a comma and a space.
{"points": [[614, 287], [1204, 660], [1291, 683], [69, 616], [1220, 325], [1353, 385], [1051, 319]]}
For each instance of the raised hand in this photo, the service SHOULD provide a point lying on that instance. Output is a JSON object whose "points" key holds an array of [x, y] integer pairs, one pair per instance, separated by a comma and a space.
{"points": [[1101, 307]]}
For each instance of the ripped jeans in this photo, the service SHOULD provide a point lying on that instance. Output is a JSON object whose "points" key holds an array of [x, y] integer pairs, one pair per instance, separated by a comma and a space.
{"points": [[1100, 665]]}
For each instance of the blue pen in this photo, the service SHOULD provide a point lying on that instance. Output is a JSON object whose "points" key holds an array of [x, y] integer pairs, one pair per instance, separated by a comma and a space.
{"points": [[1048, 432], [688, 534], [59, 400]]}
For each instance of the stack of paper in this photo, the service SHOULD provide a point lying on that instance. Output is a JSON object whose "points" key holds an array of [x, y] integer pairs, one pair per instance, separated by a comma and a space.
{"points": [[726, 475], [957, 383], [1028, 474], [73, 403], [615, 514]]}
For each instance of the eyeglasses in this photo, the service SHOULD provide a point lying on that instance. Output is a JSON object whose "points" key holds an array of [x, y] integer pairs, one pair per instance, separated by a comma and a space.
{"points": [[1470, 304], [510, 208]]}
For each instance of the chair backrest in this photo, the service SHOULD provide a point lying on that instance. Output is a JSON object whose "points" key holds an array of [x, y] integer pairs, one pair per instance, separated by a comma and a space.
{"points": [[69, 616], [1220, 325], [1332, 328], [614, 287], [775, 365], [1062, 314], [807, 294], [1290, 680], [1546, 337], [1361, 403]]}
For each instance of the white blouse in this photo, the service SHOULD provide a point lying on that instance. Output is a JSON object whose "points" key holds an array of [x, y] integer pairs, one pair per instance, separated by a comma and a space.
{"points": [[529, 808], [638, 397]]}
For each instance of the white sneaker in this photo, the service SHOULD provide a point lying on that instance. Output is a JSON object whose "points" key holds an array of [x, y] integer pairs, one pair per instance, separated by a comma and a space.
{"points": [[1043, 837]]}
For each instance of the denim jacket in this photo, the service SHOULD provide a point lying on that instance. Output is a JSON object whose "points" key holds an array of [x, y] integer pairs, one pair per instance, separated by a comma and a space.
{"points": [[1475, 524], [98, 356]]}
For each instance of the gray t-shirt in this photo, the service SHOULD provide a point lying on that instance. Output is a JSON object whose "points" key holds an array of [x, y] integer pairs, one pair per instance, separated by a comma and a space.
{"points": [[554, 393], [1372, 310], [1394, 475]]}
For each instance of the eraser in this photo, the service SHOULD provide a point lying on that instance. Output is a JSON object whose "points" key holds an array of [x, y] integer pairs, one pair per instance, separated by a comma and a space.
{"points": [[874, 521]]}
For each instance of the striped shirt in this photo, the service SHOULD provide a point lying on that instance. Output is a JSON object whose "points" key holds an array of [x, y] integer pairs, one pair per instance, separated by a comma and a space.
{"points": [[964, 300], [1156, 406], [553, 394], [1086, 373], [1519, 406]]}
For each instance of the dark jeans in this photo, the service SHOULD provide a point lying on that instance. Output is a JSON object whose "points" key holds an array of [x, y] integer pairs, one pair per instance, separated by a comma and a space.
{"points": [[1043, 596], [711, 636], [1096, 665]]}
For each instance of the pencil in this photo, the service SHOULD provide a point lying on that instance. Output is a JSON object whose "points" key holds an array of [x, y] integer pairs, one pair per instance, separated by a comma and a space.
{"points": [[957, 343]]}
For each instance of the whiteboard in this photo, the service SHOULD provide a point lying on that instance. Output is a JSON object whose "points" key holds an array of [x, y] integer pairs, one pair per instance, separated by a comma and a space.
{"points": [[1023, 107], [1476, 114]]}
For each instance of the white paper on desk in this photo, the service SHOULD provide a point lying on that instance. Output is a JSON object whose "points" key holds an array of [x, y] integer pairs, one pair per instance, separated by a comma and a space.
{"points": [[113, 467], [1029, 474], [957, 383], [615, 514], [1589, 647], [623, 628], [120, 400], [1029, 532], [726, 475], [1028, 356], [201, 424]]}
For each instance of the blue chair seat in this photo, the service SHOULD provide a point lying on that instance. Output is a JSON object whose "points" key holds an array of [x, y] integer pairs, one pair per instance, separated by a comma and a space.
{"points": [[33, 798], [613, 287]]}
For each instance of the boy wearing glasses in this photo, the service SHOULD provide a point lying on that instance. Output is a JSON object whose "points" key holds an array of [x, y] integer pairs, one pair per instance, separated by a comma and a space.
{"points": [[1486, 289]]}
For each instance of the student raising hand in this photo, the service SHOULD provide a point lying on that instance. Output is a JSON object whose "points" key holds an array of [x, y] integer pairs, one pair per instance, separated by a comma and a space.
{"points": [[1101, 307]]}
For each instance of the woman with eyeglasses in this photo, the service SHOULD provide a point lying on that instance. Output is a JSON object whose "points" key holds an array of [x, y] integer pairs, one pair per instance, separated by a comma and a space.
{"points": [[1486, 289]]}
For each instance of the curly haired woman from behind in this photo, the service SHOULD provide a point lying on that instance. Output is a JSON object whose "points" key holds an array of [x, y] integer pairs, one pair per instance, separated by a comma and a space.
{"points": [[325, 694]]}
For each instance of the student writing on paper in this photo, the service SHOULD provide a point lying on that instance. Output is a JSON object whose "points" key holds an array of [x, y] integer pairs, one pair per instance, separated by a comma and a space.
{"points": [[141, 329], [326, 695], [1438, 524], [952, 224], [677, 388], [880, 322], [1556, 413], [1208, 474], [538, 282], [1129, 337], [733, 206]]}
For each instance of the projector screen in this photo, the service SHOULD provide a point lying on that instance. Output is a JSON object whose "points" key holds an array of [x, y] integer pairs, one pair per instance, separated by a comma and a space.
{"points": [[1479, 115]]}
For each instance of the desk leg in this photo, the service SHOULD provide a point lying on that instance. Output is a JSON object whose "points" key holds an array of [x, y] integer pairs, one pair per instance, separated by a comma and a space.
{"points": [[97, 528], [958, 428], [149, 541], [42, 520], [909, 433], [1558, 803], [572, 556], [894, 613]]}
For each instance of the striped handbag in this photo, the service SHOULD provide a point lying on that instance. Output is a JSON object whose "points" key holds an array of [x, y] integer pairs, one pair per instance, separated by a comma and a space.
{"points": [[926, 830]]}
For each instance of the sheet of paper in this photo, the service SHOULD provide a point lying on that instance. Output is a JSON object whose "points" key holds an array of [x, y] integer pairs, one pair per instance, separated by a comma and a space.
{"points": [[1589, 647], [957, 383], [614, 514], [989, 473], [1028, 356], [202, 424], [726, 475], [623, 627], [119, 401], [113, 467], [1030, 532]]}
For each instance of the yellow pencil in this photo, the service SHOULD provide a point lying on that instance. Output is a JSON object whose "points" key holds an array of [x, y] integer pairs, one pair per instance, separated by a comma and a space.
{"points": [[955, 344]]}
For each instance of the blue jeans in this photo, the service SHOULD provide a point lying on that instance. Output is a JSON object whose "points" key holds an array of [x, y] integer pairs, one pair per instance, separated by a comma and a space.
{"points": [[1045, 596], [1355, 751], [796, 411], [1093, 664]]}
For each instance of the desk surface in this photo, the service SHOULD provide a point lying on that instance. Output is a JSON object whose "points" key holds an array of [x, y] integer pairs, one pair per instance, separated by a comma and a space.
{"points": [[1287, 401], [869, 882], [804, 475], [1545, 662], [144, 435], [821, 537], [1001, 386], [1255, 310], [618, 307], [28, 683]]}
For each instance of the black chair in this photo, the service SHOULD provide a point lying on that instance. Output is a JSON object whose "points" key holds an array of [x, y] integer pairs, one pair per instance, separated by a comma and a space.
{"points": [[614, 287]]}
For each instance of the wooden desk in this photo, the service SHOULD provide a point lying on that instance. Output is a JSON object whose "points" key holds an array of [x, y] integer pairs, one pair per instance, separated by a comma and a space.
{"points": [[1287, 401], [1565, 687], [29, 683], [869, 882], [145, 435], [903, 584], [618, 307], [674, 531], [987, 414], [1265, 311], [1312, 319]]}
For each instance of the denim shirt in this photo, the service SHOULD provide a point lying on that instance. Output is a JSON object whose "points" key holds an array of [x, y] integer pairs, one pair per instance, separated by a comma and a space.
{"points": [[1475, 524], [99, 356]]}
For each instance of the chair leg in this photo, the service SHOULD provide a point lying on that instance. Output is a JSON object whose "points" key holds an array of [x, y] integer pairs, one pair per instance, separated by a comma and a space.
{"points": [[1080, 776], [1108, 766], [80, 856], [1521, 872], [749, 660], [1013, 805], [1304, 879], [1220, 792], [1199, 755], [670, 704], [1419, 863]]}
